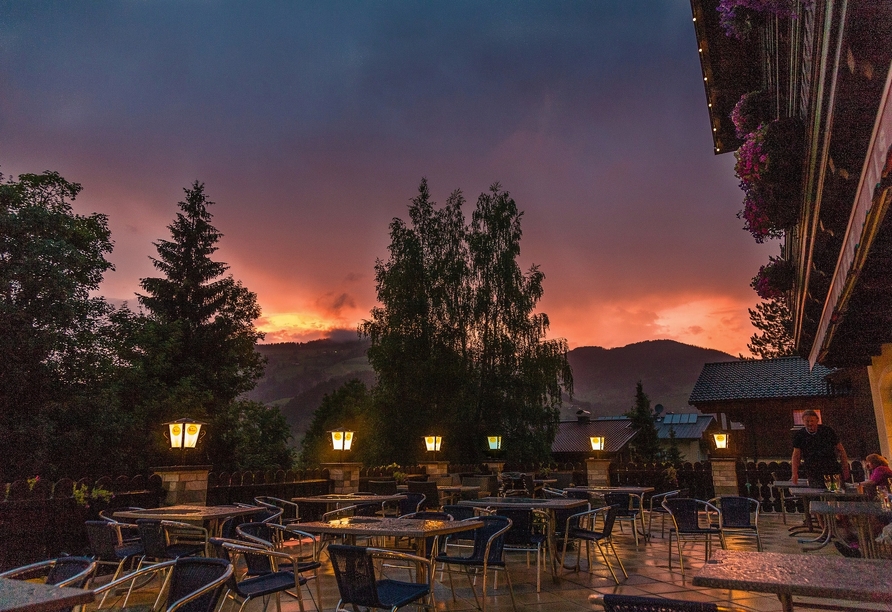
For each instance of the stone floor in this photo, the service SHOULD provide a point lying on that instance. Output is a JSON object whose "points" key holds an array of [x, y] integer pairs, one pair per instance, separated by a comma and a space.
{"points": [[647, 566]]}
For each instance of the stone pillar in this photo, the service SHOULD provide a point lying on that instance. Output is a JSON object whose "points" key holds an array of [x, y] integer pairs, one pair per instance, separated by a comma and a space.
{"points": [[496, 467], [184, 484], [435, 469], [344, 475], [724, 475], [598, 471]]}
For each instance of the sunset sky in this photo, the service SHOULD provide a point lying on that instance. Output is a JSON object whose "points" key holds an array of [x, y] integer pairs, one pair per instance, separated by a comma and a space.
{"points": [[312, 123]]}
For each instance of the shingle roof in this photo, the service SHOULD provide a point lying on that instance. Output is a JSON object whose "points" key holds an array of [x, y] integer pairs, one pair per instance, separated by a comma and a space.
{"points": [[690, 428], [574, 436], [759, 379]]}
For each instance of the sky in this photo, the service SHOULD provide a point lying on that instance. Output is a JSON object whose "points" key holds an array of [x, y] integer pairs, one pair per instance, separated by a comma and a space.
{"points": [[312, 124]]}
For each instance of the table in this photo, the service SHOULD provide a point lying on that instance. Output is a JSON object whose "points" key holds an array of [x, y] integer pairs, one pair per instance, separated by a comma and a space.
{"points": [[450, 490], [809, 495], [212, 516], [367, 526], [24, 596], [860, 514], [347, 499], [787, 575]]}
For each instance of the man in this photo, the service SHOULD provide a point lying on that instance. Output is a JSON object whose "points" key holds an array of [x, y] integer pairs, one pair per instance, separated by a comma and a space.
{"points": [[817, 446]]}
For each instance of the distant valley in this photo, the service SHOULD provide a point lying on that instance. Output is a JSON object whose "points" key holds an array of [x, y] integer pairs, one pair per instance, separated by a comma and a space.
{"points": [[298, 375]]}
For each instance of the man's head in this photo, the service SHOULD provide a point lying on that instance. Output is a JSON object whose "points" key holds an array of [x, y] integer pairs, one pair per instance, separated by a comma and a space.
{"points": [[810, 419]]}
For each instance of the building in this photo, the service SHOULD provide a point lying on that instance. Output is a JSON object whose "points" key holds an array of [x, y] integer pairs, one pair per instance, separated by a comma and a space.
{"points": [[827, 69], [768, 398]]}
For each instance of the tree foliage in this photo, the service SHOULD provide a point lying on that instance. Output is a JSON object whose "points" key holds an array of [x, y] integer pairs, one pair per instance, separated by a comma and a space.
{"points": [[54, 335], [456, 344], [774, 321], [645, 446], [347, 407]]}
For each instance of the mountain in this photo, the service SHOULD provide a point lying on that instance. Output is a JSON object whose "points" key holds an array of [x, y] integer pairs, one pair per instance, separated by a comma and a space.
{"points": [[604, 379], [298, 375]]}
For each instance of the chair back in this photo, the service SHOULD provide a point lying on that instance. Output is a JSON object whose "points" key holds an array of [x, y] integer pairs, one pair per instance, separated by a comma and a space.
{"points": [[429, 516], [71, 572], [154, 540], [494, 529], [429, 489], [623, 502], [685, 512], [521, 531], [104, 538], [736, 511], [382, 487], [355, 575], [637, 603], [460, 513], [366, 509], [578, 494], [108, 513], [610, 520], [191, 576], [411, 503], [258, 533]]}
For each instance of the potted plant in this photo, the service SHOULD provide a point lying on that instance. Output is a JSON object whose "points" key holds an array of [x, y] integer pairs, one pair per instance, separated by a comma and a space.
{"points": [[774, 279], [751, 111], [740, 17]]}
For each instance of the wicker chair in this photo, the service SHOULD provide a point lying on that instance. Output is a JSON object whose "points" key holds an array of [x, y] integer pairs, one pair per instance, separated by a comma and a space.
{"points": [[358, 586]]}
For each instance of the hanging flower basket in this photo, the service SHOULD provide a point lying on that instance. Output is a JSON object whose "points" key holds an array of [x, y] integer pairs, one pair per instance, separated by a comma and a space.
{"points": [[774, 279], [751, 111], [769, 166]]}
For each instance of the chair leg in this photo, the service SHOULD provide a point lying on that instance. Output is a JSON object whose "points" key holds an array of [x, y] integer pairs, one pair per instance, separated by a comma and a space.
{"points": [[618, 560], [510, 590], [606, 562]]}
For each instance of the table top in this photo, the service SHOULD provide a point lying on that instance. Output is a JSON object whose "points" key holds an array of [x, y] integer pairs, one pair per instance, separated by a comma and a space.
{"points": [[351, 498], [523, 502], [23, 596], [448, 488], [850, 508], [804, 575], [374, 526], [814, 493], [606, 489], [188, 513]]}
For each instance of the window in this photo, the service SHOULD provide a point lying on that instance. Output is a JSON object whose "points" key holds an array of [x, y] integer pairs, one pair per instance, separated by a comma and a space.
{"points": [[797, 417]]}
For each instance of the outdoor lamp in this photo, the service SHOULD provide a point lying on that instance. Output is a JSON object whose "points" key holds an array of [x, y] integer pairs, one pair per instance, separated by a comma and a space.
{"points": [[495, 442], [432, 443], [597, 443], [721, 440], [183, 434], [341, 439]]}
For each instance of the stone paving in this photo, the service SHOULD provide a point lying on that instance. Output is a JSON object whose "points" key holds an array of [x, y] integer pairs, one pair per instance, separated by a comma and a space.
{"points": [[647, 566]]}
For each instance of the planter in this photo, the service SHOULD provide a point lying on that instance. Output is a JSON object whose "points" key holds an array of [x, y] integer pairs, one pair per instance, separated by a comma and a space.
{"points": [[774, 279]]}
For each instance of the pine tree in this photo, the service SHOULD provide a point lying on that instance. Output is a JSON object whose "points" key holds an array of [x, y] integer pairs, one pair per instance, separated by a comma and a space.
{"points": [[775, 322], [673, 454], [645, 446], [199, 338]]}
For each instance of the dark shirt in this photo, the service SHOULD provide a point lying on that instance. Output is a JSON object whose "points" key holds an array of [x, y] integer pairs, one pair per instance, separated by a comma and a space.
{"points": [[818, 450]]}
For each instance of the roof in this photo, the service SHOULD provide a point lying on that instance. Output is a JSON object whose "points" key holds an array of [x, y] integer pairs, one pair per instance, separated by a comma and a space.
{"points": [[573, 436], [686, 426], [759, 379]]}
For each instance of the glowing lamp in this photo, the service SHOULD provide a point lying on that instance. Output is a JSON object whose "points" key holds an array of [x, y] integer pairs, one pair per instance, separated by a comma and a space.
{"points": [[432, 443], [495, 442], [597, 443], [341, 439], [721, 440], [184, 433]]}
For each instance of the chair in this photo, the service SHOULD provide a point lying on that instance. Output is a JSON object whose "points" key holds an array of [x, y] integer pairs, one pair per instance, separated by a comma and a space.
{"points": [[129, 533], [165, 540], [269, 573], [685, 513], [72, 572], [785, 497], [488, 553], [637, 603], [382, 487], [193, 584], [108, 547], [354, 569], [408, 504], [655, 506], [289, 509], [740, 516], [460, 513], [429, 490], [550, 493], [527, 534], [581, 526], [628, 509]]}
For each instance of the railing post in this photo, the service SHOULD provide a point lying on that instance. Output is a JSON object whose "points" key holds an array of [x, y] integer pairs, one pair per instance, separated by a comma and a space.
{"points": [[598, 471], [184, 484], [344, 476]]}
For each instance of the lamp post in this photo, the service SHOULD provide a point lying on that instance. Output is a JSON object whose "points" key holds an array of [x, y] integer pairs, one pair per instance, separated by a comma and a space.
{"points": [[183, 434], [341, 439], [432, 444]]}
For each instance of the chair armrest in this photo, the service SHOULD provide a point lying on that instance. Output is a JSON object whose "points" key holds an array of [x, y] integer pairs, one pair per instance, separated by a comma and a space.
{"points": [[382, 553], [15, 573], [151, 569], [191, 531]]}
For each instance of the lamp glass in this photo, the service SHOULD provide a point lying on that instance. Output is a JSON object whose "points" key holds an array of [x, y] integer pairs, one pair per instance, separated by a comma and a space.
{"points": [[721, 440], [341, 439], [597, 443], [176, 434], [495, 442], [191, 437], [432, 443]]}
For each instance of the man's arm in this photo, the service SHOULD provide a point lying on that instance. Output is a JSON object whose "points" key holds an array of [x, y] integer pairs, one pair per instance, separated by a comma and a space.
{"points": [[843, 458], [794, 463]]}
